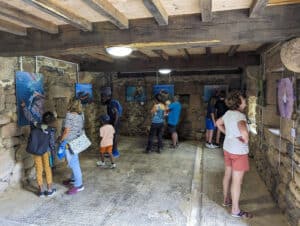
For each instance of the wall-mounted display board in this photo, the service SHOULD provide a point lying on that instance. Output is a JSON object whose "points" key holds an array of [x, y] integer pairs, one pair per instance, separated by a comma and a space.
{"points": [[285, 97], [136, 94], [84, 92], [29, 88]]}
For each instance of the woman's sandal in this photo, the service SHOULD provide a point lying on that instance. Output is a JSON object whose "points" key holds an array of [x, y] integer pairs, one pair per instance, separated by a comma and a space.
{"points": [[242, 214], [227, 203]]}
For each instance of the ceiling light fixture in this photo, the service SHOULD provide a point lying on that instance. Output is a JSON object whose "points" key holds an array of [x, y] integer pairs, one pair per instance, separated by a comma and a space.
{"points": [[164, 71], [119, 51]]}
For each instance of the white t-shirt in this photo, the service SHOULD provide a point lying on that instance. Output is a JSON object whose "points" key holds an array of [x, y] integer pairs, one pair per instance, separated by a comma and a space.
{"points": [[231, 143]]}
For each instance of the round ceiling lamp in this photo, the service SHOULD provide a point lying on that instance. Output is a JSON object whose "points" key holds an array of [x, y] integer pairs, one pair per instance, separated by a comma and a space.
{"points": [[119, 51], [164, 71]]}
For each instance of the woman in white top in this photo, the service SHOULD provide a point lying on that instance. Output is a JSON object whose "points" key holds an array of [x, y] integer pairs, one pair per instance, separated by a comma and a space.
{"points": [[234, 125]]}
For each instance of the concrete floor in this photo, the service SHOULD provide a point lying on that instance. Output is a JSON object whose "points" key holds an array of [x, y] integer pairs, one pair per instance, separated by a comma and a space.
{"points": [[152, 189]]}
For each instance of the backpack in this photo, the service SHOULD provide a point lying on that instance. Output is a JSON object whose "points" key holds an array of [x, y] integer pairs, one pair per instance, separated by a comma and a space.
{"points": [[38, 141], [117, 104]]}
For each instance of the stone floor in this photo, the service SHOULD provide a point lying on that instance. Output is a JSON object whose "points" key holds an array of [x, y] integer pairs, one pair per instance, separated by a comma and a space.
{"points": [[152, 189]]}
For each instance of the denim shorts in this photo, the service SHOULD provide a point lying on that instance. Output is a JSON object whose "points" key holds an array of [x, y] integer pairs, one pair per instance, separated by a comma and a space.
{"points": [[209, 124]]}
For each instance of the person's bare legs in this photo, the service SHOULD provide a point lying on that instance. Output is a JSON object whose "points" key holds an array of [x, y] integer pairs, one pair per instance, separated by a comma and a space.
{"points": [[226, 184], [218, 136], [210, 135], [237, 180], [174, 138], [102, 156], [111, 157]]}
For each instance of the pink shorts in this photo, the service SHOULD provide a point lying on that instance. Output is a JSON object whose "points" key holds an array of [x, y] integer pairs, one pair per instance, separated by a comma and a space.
{"points": [[237, 162]]}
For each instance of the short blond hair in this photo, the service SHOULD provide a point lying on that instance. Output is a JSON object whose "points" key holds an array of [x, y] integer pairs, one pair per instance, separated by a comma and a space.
{"points": [[75, 106]]}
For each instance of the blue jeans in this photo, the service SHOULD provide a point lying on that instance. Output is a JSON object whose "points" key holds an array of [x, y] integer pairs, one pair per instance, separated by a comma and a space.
{"points": [[74, 164], [156, 129]]}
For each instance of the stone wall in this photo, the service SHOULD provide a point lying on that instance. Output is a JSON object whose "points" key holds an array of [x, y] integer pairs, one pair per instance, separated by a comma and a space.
{"points": [[136, 117], [17, 165], [59, 78], [10, 135], [277, 156]]}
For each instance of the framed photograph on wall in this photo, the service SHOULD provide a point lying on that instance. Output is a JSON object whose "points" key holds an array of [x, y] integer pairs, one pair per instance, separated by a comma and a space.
{"points": [[84, 92], [166, 90], [136, 94], [285, 97], [213, 90], [30, 89]]}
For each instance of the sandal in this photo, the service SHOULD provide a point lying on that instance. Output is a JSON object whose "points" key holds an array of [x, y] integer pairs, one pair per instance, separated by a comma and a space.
{"points": [[227, 203], [242, 214]]}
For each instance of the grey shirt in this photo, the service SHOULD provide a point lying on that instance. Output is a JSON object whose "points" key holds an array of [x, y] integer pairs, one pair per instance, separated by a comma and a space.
{"points": [[74, 122]]}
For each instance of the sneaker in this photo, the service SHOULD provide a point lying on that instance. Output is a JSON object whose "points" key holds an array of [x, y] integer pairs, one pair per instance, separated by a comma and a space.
{"points": [[100, 163], [116, 153], [75, 190], [41, 194], [50, 193], [68, 182], [211, 146], [113, 165], [216, 145]]}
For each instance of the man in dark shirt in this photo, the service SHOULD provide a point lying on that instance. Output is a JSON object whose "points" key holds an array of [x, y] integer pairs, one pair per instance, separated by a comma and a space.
{"points": [[220, 108], [114, 110]]}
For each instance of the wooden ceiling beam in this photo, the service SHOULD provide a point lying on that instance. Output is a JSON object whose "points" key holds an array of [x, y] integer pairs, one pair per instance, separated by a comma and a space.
{"points": [[156, 8], [141, 55], [207, 50], [257, 8], [185, 53], [278, 24], [161, 53], [51, 7], [105, 8], [232, 50], [206, 10], [197, 62], [12, 28], [26, 18], [101, 57]]}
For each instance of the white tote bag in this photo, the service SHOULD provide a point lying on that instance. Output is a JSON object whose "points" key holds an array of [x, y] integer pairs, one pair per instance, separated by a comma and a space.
{"points": [[80, 143]]}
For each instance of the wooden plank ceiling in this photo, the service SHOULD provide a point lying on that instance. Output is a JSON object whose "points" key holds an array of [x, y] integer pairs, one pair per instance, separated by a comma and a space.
{"points": [[160, 31]]}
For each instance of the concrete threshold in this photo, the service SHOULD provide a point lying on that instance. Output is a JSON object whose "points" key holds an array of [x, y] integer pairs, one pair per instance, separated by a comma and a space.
{"points": [[196, 190]]}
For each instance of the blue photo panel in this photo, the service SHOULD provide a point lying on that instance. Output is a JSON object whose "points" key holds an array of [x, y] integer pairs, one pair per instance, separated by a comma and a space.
{"points": [[136, 94], [213, 90], [84, 92], [29, 88], [167, 90]]}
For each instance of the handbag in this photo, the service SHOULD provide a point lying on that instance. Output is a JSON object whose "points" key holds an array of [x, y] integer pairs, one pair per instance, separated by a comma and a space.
{"points": [[80, 143]]}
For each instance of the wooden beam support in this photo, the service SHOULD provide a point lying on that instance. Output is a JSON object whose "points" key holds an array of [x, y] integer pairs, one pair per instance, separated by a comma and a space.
{"points": [[197, 62], [185, 53], [232, 50], [51, 7], [161, 53], [278, 24], [105, 8], [12, 28], [257, 8], [101, 57], [141, 55], [206, 10], [157, 10], [267, 47], [207, 50], [24, 17]]}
